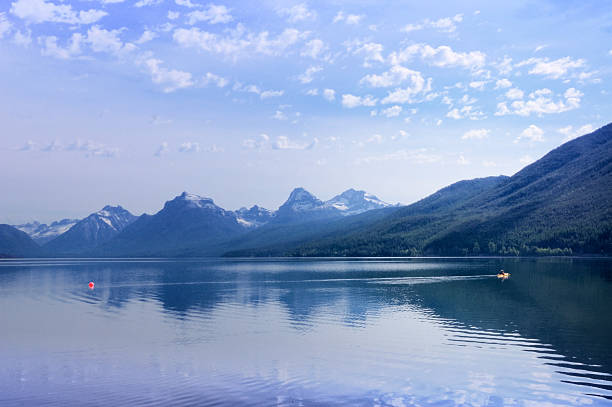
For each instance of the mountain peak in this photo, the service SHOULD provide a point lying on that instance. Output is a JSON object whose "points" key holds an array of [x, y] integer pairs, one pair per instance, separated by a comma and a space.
{"points": [[110, 208], [187, 196], [301, 195], [189, 200], [352, 202]]}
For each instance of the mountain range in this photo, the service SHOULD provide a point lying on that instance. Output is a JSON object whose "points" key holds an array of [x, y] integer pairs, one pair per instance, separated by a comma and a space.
{"points": [[187, 225], [41, 233], [559, 205]]}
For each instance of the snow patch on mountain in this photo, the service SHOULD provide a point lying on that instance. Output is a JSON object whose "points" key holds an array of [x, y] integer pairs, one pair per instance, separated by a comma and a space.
{"points": [[42, 233], [353, 202]]}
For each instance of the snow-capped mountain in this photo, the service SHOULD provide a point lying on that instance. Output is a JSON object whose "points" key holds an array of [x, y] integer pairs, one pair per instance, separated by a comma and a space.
{"points": [[352, 202], [190, 224], [91, 231], [41, 233], [302, 205], [187, 224], [254, 217]]}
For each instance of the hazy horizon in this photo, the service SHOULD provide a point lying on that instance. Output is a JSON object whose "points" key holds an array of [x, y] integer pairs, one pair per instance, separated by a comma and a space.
{"points": [[131, 102]]}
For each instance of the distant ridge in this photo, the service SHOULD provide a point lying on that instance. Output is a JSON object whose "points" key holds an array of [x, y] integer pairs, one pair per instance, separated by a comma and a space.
{"points": [[15, 243], [560, 204], [90, 232]]}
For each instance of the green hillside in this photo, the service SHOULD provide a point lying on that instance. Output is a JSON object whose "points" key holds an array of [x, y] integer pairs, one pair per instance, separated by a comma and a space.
{"points": [[561, 204]]}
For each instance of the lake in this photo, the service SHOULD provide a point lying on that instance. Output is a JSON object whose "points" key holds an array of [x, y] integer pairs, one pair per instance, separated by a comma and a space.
{"points": [[371, 332]]}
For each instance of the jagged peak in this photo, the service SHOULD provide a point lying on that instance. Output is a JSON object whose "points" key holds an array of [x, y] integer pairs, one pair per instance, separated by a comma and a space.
{"points": [[189, 200], [300, 194]]}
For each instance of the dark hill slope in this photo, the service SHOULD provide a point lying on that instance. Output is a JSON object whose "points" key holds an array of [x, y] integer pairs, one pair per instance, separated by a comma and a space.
{"points": [[562, 201], [15, 243], [275, 239], [188, 225]]}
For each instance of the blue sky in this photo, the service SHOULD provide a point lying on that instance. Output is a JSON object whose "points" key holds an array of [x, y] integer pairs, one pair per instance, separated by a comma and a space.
{"points": [[133, 101]]}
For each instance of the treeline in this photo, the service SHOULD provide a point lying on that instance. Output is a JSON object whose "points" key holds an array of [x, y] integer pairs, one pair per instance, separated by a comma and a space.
{"points": [[379, 244]]}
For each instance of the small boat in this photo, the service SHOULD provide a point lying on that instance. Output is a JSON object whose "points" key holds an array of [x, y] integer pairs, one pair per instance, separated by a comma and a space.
{"points": [[503, 274]]}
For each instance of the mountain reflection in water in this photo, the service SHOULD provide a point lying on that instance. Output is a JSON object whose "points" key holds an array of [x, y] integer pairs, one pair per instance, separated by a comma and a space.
{"points": [[306, 331]]}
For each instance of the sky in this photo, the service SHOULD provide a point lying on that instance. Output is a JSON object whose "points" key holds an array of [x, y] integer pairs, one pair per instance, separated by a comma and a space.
{"points": [[131, 102]]}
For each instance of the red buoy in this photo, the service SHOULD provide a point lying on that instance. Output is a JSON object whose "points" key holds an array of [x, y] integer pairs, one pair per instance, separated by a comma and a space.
{"points": [[91, 285]]}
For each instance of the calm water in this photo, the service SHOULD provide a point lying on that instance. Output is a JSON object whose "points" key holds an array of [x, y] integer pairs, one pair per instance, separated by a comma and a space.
{"points": [[306, 332]]}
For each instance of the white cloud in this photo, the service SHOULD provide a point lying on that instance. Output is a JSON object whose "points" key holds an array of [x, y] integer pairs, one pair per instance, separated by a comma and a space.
{"points": [[49, 46], [479, 85], [146, 36], [284, 143], [170, 79], [314, 49], [215, 149], [526, 159], [446, 24], [55, 145], [552, 69], [279, 115], [5, 25], [102, 40], [540, 102], [217, 80], [442, 56], [189, 147], [376, 138], [475, 134], [271, 94], [400, 135], [351, 19], [173, 15], [504, 66], [27, 146], [157, 120], [256, 143], [514, 93], [398, 75], [329, 94], [462, 160], [503, 84], [392, 111], [23, 39], [40, 11], [92, 149], [308, 75], [312, 92], [213, 14], [540, 48], [371, 51], [531, 133], [352, 101], [571, 133], [299, 12], [395, 76], [465, 112], [263, 94], [161, 150], [419, 156], [407, 94], [146, 3], [186, 3], [237, 42], [454, 114]]}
